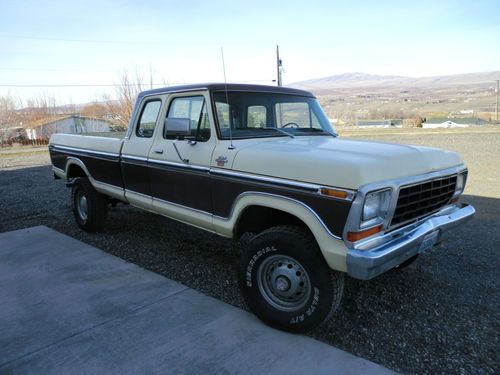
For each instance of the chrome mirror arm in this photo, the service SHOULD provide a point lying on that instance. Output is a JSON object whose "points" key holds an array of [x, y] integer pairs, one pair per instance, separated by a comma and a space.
{"points": [[174, 143]]}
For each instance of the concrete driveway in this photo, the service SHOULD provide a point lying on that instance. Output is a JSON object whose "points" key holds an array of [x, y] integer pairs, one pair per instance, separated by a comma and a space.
{"points": [[67, 307]]}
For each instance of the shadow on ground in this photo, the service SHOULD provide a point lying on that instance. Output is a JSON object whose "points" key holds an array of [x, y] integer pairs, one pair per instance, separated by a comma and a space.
{"points": [[438, 315]]}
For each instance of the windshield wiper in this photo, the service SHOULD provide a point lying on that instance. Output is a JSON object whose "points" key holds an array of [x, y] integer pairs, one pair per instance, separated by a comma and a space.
{"points": [[333, 134], [306, 130], [281, 131]]}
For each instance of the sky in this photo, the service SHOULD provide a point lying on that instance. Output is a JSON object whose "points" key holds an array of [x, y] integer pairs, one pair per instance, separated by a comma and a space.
{"points": [[83, 44]]}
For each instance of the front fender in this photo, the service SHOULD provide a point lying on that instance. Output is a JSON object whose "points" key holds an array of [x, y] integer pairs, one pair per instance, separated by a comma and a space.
{"points": [[331, 246]]}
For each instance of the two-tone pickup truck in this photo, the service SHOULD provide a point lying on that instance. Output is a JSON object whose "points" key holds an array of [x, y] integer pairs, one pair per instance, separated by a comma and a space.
{"points": [[246, 159]]}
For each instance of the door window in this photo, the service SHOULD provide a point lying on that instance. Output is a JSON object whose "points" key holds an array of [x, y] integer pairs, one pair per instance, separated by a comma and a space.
{"points": [[147, 121], [193, 108]]}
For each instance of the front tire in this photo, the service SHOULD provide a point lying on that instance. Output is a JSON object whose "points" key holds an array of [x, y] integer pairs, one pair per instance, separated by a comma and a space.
{"points": [[286, 282], [89, 207]]}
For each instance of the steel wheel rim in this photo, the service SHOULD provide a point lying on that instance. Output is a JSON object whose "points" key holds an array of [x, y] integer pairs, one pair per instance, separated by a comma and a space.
{"points": [[283, 282], [82, 205]]}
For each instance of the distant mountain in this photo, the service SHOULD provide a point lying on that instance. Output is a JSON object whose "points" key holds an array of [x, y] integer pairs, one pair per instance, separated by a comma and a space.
{"points": [[349, 79], [363, 80]]}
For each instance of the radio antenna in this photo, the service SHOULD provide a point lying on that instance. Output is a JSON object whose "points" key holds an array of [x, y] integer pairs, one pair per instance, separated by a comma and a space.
{"points": [[231, 146]]}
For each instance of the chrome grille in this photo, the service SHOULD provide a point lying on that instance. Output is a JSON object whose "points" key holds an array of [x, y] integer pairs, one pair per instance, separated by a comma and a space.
{"points": [[422, 199]]}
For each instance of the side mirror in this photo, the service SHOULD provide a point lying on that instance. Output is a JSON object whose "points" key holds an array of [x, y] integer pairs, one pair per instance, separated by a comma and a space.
{"points": [[177, 127]]}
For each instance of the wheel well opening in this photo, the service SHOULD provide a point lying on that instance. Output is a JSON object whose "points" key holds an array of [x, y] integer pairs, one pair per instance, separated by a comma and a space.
{"points": [[75, 171], [255, 219]]}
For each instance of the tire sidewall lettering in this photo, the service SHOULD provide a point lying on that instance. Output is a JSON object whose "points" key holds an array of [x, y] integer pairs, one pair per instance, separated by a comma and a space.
{"points": [[253, 260], [309, 311], [296, 243], [305, 312]]}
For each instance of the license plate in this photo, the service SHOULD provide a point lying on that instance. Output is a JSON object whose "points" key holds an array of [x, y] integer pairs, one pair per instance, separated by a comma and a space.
{"points": [[429, 241]]}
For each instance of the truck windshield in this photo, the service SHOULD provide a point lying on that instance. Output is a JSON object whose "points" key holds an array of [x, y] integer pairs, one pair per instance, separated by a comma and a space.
{"points": [[256, 114]]}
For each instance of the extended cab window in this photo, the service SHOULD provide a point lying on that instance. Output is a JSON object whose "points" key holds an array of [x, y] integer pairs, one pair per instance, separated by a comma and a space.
{"points": [[193, 108], [147, 121]]}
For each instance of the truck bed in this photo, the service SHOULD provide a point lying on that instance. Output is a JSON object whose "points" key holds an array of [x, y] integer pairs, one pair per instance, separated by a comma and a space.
{"points": [[102, 143], [100, 155]]}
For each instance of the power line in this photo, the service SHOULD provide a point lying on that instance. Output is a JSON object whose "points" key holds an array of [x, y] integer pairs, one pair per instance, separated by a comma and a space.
{"points": [[93, 85], [109, 41], [71, 40], [120, 84], [54, 70]]}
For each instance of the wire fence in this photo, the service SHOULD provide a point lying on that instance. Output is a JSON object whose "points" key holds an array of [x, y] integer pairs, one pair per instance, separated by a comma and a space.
{"points": [[25, 142]]}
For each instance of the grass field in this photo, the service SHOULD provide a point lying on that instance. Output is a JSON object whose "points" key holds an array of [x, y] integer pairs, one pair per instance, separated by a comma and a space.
{"points": [[478, 147]]}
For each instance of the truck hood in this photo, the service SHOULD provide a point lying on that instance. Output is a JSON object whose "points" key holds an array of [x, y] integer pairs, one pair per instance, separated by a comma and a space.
{"points": [[340, 162]]}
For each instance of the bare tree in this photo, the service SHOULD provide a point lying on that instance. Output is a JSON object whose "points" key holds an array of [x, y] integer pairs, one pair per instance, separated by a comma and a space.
{"points": [[95, 110], [8, 118], [40, 106], [126, 94], [37, 108]]}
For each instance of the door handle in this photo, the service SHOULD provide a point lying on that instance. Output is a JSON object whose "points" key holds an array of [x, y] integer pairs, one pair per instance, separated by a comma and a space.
{"points": [[158, 151]]}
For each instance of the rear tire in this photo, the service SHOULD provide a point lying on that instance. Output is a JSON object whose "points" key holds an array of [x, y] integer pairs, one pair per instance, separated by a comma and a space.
{"points": [[89, 207], [286, 282]]}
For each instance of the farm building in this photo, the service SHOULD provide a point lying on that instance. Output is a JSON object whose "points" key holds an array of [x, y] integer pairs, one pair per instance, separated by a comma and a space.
{"points": [[69, 124], [8, 134], [379, 123], [453, 122]]}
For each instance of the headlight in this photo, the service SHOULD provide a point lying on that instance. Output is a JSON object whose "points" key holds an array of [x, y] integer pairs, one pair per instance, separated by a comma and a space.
{"points": [[376, 207], [459, 187]]}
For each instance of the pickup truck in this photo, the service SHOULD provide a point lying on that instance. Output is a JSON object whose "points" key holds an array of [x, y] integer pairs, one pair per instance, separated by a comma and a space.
{"points": [[265, 162]]}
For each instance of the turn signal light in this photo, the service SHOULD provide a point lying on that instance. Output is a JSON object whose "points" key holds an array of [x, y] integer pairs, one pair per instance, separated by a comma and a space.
{"points": [[356, 236], [334, 193]]}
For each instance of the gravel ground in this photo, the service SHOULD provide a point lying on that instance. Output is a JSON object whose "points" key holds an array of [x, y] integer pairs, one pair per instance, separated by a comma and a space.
{"points": [[440, 315]]}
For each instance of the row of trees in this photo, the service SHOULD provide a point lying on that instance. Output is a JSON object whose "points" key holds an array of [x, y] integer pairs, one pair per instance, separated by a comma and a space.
{"points": [[7, 117], [16, 114], [116, 109]]}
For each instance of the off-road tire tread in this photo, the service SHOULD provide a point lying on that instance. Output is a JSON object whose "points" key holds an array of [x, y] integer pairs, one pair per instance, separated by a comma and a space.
{"points": [[97, 206], [337, 278]]}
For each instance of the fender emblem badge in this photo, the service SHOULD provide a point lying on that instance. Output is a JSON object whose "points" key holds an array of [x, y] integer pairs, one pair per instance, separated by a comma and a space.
{"points": [[221, 161]]}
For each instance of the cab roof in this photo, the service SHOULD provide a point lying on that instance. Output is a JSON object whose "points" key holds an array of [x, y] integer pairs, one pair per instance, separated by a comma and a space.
{"points": [[230, 87]]}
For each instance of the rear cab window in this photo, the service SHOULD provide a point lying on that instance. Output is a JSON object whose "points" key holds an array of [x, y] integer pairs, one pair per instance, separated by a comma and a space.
{"points": [[256, 116]]}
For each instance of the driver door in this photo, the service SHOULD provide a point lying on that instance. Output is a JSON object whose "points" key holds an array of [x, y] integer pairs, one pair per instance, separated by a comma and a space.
{"points": [[179, 167]]}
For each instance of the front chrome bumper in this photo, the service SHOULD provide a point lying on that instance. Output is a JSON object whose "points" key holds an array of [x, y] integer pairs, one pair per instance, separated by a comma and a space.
{"points": [[368, 263]]}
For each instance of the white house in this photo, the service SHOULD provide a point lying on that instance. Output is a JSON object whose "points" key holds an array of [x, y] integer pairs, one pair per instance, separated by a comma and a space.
{"points": [[467, 112], [69, 124], [452, 122]]}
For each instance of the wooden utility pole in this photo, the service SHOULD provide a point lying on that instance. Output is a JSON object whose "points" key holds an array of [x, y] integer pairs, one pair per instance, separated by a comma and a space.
{"points": [[496, 105], [279, 65]]}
